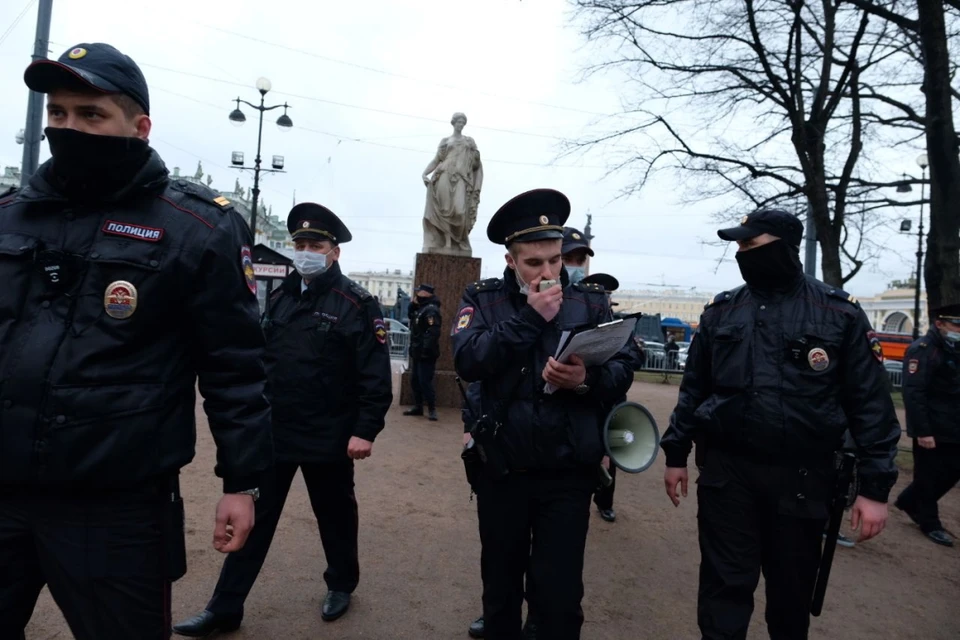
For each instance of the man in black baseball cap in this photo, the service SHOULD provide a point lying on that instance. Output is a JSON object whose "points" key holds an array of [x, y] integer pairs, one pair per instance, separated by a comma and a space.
{"points": [[106, 353], [779, 370]]}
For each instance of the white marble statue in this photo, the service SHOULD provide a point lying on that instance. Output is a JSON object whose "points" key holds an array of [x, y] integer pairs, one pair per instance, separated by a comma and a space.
{"points": [[453, 193]]}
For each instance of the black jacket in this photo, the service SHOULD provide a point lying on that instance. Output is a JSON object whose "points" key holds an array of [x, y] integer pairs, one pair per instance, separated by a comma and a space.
{"points": [[783, 376], [328, 367], [425, 326], [92, 399], [931, 389], [502, 342]]}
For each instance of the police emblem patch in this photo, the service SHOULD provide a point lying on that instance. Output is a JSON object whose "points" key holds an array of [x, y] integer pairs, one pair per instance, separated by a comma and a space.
{"points": [[912, 366], [818, 359], [464, 318], [380, 330], [875, 345], [306, 224], [246, 263], [120, 299], [77, 53], [544, 220], [576, 236]]}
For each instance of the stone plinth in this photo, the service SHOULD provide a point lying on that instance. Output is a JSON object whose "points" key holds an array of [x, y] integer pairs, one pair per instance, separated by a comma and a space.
{"points": [[449, 276]]}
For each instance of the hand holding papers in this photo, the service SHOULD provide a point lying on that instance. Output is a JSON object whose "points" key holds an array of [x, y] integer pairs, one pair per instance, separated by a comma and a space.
{"points": [[594, 346]]}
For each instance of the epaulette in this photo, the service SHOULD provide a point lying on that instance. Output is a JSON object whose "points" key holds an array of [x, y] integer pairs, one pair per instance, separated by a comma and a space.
{"points": [[490, 284], [359, 291], [203, 193], [720, 298], [589, 287], [843, 295]]}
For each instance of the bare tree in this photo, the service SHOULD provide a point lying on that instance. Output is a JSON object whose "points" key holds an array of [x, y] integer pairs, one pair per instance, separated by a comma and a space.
{"points": [[924, 23], [792, 70]]}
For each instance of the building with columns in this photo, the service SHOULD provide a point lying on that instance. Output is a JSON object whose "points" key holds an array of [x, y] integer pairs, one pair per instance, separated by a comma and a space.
{"points": [[892, 310], [384, 284]]}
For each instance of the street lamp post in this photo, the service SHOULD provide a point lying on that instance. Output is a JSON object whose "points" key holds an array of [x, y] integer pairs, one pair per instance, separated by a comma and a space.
{"points": [[283, 122], [923, 163]]}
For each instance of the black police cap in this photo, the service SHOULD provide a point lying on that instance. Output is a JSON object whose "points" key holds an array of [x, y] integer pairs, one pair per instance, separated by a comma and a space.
{"points": [[316, 222], [426, 288], [605, 280], [534, 215], [573, 240], [96, 66], [779, 223], [949, 313]]}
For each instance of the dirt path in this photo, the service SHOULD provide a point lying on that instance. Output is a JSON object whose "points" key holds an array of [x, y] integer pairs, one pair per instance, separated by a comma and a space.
{"points": [[419, 556]]}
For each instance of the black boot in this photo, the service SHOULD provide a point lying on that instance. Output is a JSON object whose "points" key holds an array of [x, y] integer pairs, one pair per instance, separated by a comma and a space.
{"points": [[335, 605], [207, 622], [415, 411], [477, 629]]}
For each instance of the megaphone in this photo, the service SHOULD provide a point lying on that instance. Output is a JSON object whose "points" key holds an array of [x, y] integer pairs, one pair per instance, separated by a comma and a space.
{"points": [[631, 437]]}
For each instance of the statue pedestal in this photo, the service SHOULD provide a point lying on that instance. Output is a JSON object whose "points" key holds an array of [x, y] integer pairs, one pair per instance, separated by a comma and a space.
{"points": [[449, 275]]}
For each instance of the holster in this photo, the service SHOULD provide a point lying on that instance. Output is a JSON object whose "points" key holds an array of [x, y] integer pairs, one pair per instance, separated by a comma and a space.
{"points": [[174, 536], [484, 433], [472, 464]]}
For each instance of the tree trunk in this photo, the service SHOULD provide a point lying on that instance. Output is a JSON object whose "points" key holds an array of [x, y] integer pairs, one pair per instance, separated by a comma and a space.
{"points": [[942, 268]]}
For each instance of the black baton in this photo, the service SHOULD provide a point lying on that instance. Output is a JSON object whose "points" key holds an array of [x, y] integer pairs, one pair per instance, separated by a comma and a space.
{"points": [[837, 507]]}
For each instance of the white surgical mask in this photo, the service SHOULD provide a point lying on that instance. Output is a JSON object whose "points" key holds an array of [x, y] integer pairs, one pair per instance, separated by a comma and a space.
{"points": [[524, 287], [309, 264], [576, 274], [952, 336]]}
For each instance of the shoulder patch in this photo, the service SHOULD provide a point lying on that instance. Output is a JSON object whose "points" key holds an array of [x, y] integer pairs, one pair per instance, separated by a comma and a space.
{"points": [[464, 319], [202, 193], [246, 263], [380, 330], [875, 347], [359, 291], [490, 284]]}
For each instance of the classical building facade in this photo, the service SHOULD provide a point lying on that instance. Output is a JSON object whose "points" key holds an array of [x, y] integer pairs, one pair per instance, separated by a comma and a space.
{"points": [[384, 284], [684, 305], [892, 310]]}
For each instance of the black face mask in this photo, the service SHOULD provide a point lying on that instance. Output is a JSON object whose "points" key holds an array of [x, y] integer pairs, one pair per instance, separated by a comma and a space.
{"points": [[772, 267], [87, 166]]}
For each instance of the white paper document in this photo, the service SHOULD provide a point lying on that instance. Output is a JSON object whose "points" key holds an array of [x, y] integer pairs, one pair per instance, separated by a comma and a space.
{"points": [[594, 346]]}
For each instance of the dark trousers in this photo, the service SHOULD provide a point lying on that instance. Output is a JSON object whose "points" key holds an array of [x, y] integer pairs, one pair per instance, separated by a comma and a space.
{"points": [[534, 522], [751, 520], [603, 497], [101, 557], [422, 382], [330, 487], [935, 471]]}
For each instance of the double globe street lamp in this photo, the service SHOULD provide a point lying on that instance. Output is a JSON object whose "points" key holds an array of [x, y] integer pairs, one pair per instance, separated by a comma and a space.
{"points": [[284, 123]]}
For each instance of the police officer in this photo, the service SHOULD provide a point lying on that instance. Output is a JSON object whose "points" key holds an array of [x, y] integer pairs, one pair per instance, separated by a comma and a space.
{"points": [[504, 337], [329, 382], [117, 284], [931, 396], [575, 252], [780, 369], [603, 496], [425, 323]]}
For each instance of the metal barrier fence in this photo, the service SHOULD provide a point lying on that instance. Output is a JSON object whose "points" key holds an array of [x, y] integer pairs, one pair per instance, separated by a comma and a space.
{"points": [[896, 378], [399, 342]]}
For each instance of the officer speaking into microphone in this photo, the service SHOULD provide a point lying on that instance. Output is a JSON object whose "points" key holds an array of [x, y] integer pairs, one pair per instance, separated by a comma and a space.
{"points": [[780, 368], [542, 450], [117, 286], [329, 383]]}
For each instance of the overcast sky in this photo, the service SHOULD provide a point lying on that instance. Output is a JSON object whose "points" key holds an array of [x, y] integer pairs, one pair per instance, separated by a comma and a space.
{"points": [[372, 87]]}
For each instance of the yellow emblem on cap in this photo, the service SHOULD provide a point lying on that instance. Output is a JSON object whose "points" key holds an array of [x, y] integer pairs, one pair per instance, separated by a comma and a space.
{"points": [[544, 220], [77, 53], [744, 219], [576, 236], [120, 299], [306, 224]]}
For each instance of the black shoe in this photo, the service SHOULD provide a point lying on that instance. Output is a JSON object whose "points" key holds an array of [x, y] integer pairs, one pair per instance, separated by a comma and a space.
{"points": [[415, 411], [608, 514], [433, 415], [206, 623], [530, 630], [941, 537], [476, 628], [335, 605]]}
